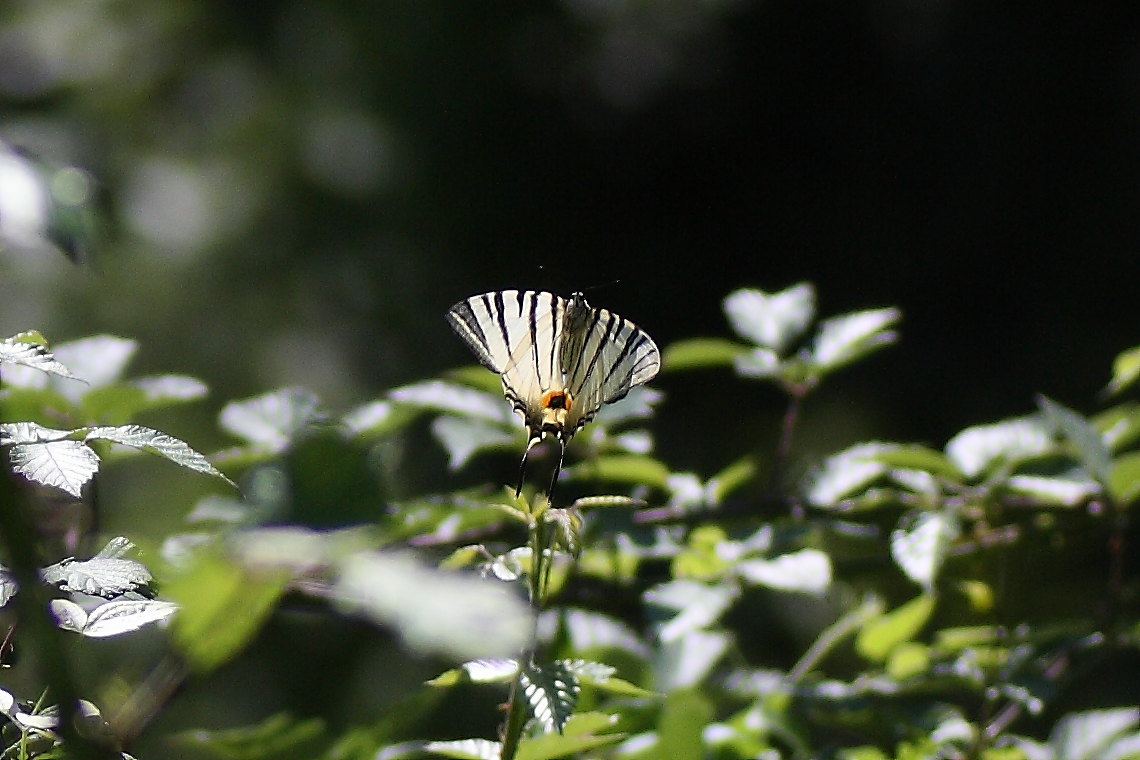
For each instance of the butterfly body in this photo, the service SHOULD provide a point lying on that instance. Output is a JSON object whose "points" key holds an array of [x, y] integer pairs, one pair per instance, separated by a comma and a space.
{"points": [[559, 359]]}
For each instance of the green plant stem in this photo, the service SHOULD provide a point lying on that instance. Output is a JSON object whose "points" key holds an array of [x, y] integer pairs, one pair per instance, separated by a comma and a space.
{"points": [[833, 634], [784, 445], [19, 541]]}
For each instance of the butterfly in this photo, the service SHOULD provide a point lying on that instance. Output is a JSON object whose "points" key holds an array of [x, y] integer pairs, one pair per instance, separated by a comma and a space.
{"points": [[559, 359]]}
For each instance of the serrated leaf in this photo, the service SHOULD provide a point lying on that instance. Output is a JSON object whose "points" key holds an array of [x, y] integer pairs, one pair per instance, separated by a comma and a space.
{"points": [[21, 351], [66, 465], [1082, 435], [807, 571], [125, 615], [99, 576], [882, 634], [272, 420], [920, 550], [701, 353], [1085, 735], [1125, 371], [843, 339], [551, 690], [773, 320], [976, 449], [156, 442]]}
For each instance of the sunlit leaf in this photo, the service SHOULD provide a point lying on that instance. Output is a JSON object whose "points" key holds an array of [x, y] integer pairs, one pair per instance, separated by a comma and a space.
{"points": [[920, 549], [463, 437], [272, 420], [1058, 491], [434, 611], [441, 396], [581, 733], [24, 351], [771, 320], [687, 659], [100, 360], [846, 338], [686, 605], [700, 353], [464, 749], [490, 670], [759, 363], [56, 461], [1125, 371], [880, 635], [1086, 735], [156, 442], [98, 576], [976, 449], [807, 571], [126, 615], [847, 473]]}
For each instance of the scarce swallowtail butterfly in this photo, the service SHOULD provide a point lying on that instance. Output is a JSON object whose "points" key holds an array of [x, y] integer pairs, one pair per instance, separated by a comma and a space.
{"points": [[560, 359]]}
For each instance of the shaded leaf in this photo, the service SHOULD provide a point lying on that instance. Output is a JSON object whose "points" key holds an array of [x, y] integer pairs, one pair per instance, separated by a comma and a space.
{"points": [[279, 736], [682, 723], [700, 353], [580, 734], [621, 468], [1082, 435], [882, 634], [1124, 483]]}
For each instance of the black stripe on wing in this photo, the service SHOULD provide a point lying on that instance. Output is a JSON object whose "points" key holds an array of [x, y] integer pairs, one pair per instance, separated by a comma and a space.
{"points": [[464, 319]]}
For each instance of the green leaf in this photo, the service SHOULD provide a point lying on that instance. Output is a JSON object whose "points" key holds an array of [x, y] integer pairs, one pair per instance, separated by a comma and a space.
{"points": [[580, 734], [701, 353], [601, 677], [156, 442], [1125, 371], [849, 337], [1082, 435], [120, 402], [880, 635], [223, 606], [47, 456], [1120, 425], [451, 398], [683, 719], [280, 736], [848, 473], [488, 670], [921, 458], [1124, 483], [622, 468], [1058, 491], [463, 749], [771, 320]]}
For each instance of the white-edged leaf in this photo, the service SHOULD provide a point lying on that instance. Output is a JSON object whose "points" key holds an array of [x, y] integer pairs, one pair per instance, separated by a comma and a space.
{"points": [[1085, 735], [126, 615], [807, 571], [156, 442], [21, 352], [847, 473], [98, 576], [442, 396], [976, 448], [463, 437], [773, 320], [271, 420], [66, 465], [552, 691], [687, 660], [466, 749], [843, 339], [920, 550], [370, 416]]}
